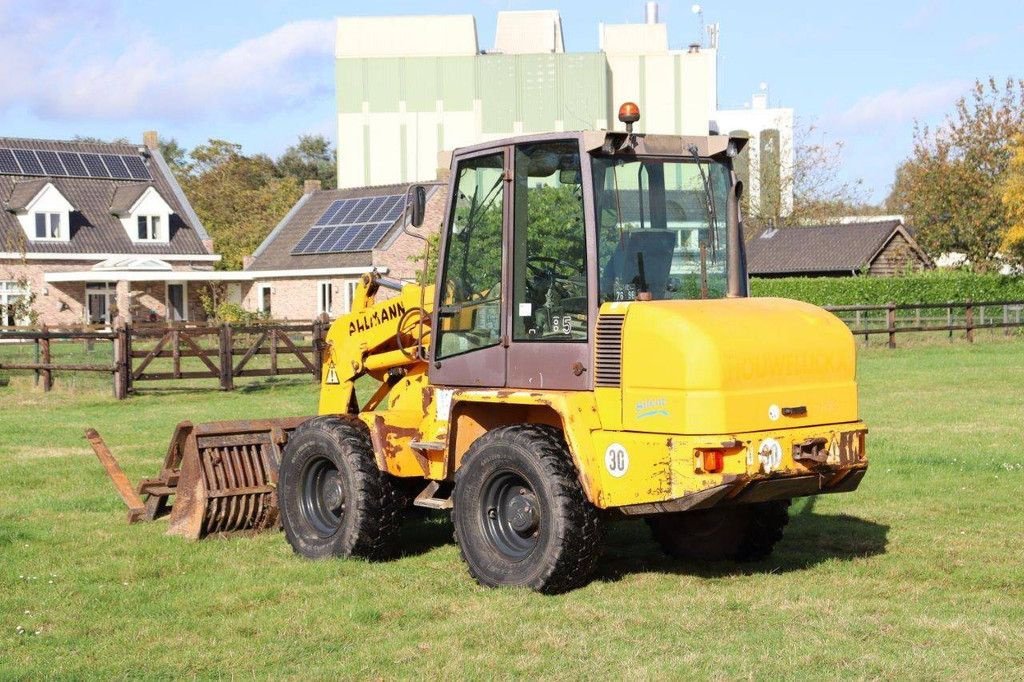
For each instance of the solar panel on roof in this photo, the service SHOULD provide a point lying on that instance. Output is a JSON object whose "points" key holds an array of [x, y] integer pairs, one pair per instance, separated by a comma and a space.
{"points": [[73, 164], [51, 164], [136, 167], [7, 162], [350, 225], [116, 167], [94, 166], [28, 162]]}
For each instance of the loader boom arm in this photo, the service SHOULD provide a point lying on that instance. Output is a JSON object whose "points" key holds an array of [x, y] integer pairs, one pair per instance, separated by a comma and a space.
{"points": [[377, 337]]}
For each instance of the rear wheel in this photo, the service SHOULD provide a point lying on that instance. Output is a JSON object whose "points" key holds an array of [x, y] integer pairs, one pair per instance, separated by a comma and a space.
{"points": [[520, 515], [745, 532], [334, 500]]}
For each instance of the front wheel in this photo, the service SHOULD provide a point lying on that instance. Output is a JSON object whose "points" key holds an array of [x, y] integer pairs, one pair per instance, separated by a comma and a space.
{"points": [[520, 515], [334, 500]]}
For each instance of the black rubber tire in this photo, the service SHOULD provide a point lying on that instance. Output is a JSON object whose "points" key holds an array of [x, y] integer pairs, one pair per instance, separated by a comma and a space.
{"points": [[746, 532], [371, 505], [568, 531]]}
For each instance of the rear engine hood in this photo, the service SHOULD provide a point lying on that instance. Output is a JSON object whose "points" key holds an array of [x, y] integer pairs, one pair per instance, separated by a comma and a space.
{"points": [[735, 365]]}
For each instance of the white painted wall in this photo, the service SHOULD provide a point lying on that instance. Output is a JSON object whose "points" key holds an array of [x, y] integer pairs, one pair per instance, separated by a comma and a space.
{"points": [[149, 204], [409, 36], [49, 200]]}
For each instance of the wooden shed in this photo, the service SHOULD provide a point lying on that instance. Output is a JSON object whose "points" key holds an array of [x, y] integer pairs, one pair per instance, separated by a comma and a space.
{"points": [[878, 248]]}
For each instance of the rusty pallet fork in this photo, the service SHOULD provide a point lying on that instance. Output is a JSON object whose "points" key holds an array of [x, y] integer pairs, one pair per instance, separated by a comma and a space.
{"points": [[223, 476]]}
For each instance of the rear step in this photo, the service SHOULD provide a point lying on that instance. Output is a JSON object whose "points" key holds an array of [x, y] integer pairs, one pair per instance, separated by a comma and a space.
{"points": [[437, 495]]}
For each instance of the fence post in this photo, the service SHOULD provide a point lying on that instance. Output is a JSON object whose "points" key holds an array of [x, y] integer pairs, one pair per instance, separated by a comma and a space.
{"points": [[227, 361], [129, 374], [120, 359], [1006, 321], [949, 319], [37, 358], [969, 315], [890, 322], [176, 352], [44, 341]]}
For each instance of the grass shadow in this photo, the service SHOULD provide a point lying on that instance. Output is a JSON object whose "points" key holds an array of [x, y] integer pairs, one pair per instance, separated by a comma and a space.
{"points": [[809, 539], [423, 531]]}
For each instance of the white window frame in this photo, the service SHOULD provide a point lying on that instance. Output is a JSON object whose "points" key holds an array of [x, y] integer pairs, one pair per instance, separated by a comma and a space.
{"points": [[48, 217], [153, 223], [184, 300], [324, 304], [350, 293], [106, 289], [260, 288], [11, 292]]}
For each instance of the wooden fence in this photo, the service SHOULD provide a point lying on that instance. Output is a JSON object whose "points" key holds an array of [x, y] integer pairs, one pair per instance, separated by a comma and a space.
{"points": [[967, 317], [148, 352]]}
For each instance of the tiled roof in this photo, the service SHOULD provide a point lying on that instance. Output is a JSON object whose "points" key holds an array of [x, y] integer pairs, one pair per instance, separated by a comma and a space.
{"points": [[125, 197], [275, 253], [824, 248], [24, 192], [93, 228]]}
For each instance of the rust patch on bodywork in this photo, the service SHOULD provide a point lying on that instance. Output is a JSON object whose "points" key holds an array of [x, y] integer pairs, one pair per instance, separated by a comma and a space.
{"points": [[845, 450]]}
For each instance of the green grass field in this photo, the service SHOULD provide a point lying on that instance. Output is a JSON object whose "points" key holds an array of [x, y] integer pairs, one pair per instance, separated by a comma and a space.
{"points": [[919, 574]]}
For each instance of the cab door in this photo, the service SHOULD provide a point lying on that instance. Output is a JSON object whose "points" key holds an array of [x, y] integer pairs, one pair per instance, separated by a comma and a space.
{"points": [[551, 307], [470, 333]]}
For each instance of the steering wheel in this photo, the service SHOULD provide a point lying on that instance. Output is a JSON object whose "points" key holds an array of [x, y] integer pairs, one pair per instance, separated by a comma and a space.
{"points": [[550, 274]]}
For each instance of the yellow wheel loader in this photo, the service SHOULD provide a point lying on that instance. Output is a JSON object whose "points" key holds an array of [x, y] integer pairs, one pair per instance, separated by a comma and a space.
{"points": [[588, 352]]}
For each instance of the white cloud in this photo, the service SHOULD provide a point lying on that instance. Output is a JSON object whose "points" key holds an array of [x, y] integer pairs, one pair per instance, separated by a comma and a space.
{"points": [[900, 106], [93, 76]]}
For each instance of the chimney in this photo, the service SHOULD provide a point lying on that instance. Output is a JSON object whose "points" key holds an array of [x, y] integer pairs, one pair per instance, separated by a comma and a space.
{"points": [[651, 13], [150, 139], [694, 48], [310, 186]]}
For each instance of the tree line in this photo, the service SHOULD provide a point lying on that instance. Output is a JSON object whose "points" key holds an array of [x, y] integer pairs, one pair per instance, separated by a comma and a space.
{"points": [[961, 189], [239, 197]]}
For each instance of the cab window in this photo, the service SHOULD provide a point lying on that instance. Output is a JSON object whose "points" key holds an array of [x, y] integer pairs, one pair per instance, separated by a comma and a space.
{"points": [[549, 273], [469, 316]]}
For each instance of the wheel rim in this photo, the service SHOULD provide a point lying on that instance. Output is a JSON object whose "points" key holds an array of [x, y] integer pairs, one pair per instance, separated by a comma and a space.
{"points": [[511, 515], [322, 500]]}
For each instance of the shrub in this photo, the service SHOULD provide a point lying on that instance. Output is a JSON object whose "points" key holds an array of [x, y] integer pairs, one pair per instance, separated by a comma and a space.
{"points": [[928, 287]]}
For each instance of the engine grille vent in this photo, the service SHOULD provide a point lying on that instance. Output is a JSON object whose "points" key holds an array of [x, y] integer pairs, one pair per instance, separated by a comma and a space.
{"points": [[608, 363]]}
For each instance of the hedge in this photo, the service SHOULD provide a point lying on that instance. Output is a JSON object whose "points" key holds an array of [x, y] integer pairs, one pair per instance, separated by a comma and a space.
{"points": [[929, 287]]}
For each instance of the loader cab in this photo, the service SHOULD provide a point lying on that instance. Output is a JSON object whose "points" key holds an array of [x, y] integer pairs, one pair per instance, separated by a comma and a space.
{"points": [[542, 230]]}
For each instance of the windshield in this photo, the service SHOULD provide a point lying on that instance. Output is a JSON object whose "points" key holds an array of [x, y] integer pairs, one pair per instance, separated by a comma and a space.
{"points": [[661, 227]]}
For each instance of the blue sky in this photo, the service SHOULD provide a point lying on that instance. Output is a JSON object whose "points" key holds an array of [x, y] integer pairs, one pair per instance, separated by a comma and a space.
{"points": [[261, 72]]}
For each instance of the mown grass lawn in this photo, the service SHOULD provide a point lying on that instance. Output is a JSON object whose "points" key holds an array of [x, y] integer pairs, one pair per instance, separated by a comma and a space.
{"points": [[919, 574]]}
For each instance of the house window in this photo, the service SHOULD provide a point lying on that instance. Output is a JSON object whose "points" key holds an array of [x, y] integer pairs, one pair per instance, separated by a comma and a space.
{"points": [[350, 293], [264, 291], [12, 297], [149, 228], [325, 298], [48, 226]]}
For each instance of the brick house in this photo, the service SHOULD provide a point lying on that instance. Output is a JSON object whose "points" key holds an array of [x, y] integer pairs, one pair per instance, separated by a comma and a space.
{"points": [[90, 230], [310, 263], [877, 248]]}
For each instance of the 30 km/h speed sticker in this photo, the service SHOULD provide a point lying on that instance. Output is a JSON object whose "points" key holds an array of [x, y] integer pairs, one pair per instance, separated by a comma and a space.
{"points": [[616, 460]]}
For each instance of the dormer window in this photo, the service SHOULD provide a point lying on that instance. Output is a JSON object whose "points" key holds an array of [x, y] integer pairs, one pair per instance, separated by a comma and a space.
{"points": [[145, 214], [48, 226], [149, 228], [44, 213]]}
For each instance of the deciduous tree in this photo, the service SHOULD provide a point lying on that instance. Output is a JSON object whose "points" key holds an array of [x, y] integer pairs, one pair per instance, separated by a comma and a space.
{"points": [[952, 186], [311, 158], [1013, 200], [239, 198]]}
